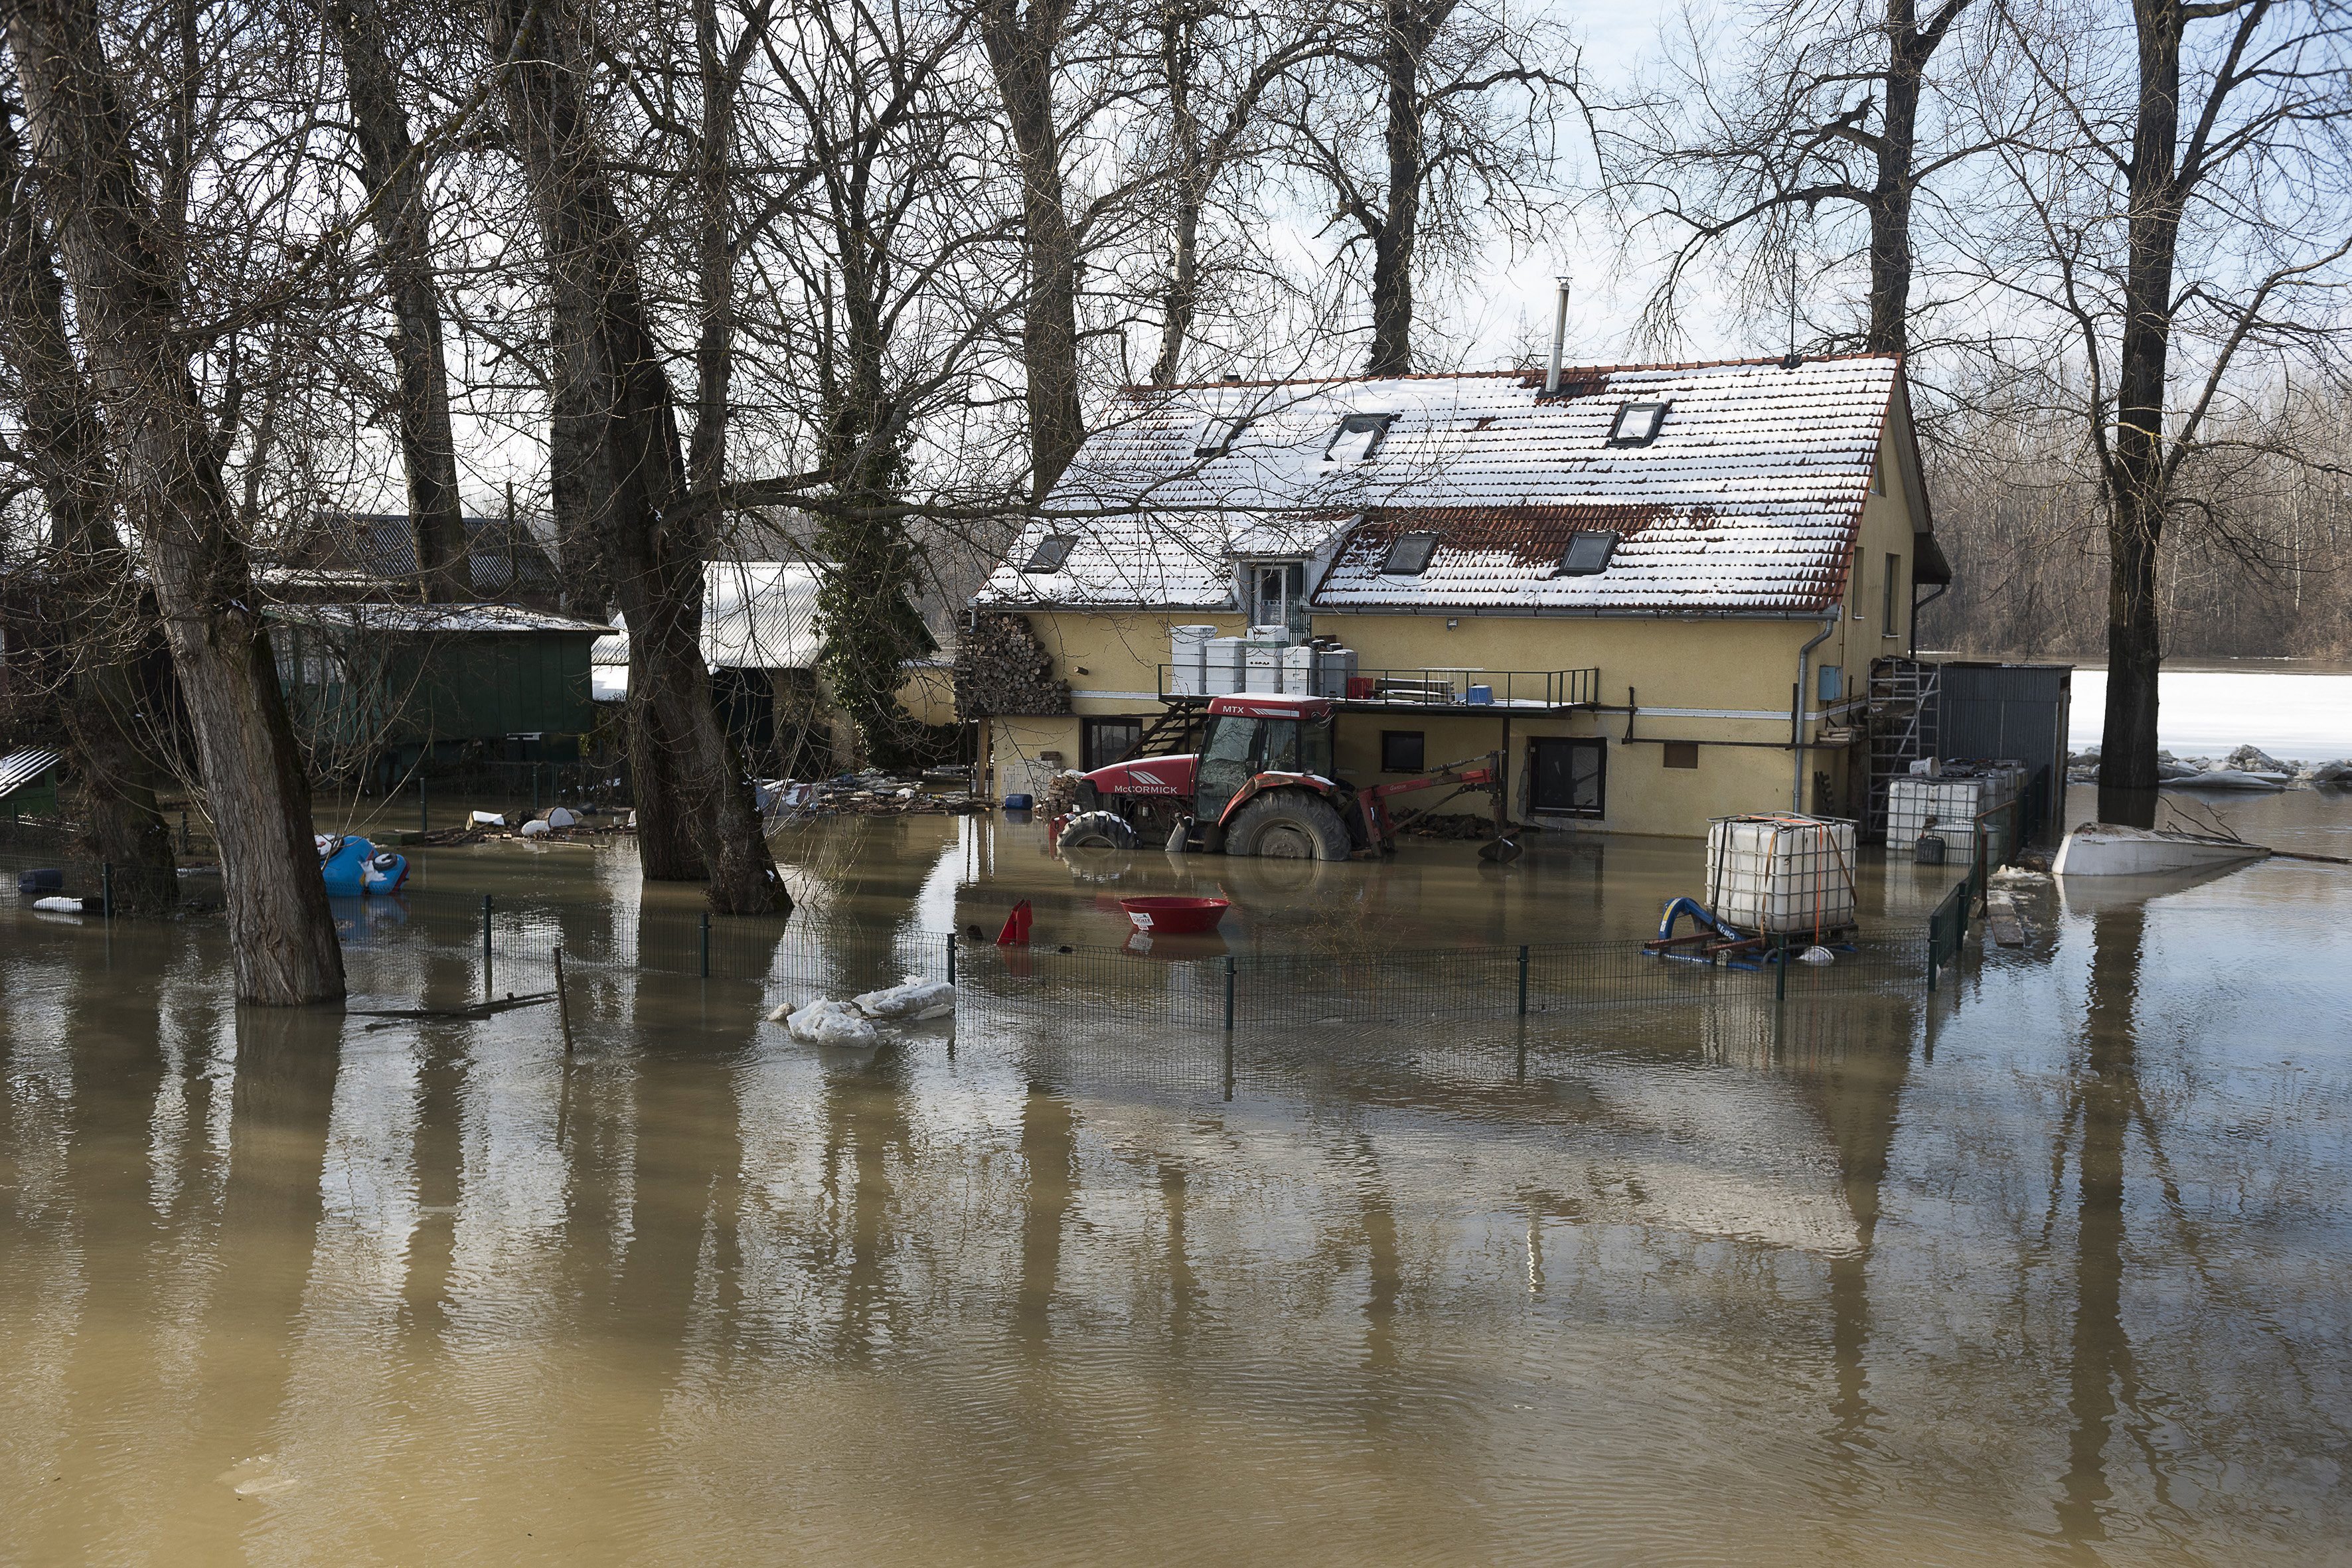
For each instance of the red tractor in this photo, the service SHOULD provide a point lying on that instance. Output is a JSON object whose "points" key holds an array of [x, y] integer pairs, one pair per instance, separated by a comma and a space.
{"points": [[1261, 783]]}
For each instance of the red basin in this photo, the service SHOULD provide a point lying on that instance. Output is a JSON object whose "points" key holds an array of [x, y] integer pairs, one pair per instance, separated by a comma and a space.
{"points": [[1175, 917]]}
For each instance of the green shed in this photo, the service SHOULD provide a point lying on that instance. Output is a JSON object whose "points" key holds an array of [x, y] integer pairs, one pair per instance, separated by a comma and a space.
{"points": [[366, 679]]}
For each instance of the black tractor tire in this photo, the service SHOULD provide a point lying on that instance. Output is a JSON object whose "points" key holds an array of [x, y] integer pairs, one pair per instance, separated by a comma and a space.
{"points": [[1097, 830], [1288, 824]]}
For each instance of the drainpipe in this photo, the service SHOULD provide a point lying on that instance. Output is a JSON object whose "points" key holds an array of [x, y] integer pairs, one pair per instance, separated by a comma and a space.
{"points": [[1558, 339], [1797, 709]]}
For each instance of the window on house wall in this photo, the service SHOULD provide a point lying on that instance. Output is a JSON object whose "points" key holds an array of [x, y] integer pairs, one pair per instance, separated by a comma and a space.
{"points": [[1278, 594], [1102, 742], [1358, 438], [1568, 777], [1637, 424], [1051, 552], [1681, 754], [1409, 556], [1588, 554], [1403, 752], [1893, 576], [1878, 475]]}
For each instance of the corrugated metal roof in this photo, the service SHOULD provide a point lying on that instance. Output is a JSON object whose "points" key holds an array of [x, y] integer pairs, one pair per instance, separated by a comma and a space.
{"points": [[19, 769], [427, 619], [1746, 502], [756, 615]]}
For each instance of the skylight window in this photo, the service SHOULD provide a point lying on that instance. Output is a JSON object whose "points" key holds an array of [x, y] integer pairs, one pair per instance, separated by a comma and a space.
{"points": [[1409, 556], [1358, 438], [1221, 436], [1637, 424], [1051, 552], [1588, 554]]}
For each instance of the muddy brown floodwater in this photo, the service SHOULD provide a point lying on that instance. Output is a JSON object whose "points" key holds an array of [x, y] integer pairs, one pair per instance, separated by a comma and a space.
{"points": [[2052, 1265]]}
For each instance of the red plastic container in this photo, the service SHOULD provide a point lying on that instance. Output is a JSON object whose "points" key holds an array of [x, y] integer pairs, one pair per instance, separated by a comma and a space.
{"points": [[1362, 688], [1175, 917]]}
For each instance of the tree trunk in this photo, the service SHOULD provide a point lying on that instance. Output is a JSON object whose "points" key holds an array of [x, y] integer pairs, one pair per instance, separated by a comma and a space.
{"points": [[1890, 198], [1183, 296], [281, 936], [1408, 25], [2134, 471], [63, 431], [1021, 55], [404, 243], [689, 782]]}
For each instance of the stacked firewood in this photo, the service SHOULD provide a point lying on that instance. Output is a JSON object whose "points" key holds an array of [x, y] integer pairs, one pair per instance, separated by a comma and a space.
{"points": [[1000, 667]]}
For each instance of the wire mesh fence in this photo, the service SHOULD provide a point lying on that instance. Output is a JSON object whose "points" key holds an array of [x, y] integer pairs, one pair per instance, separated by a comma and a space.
{"points": [[509, 947]]}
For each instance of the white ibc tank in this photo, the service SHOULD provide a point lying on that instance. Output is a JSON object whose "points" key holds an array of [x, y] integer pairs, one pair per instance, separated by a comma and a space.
{"points": [[1780, 875], [1188, 659], [1221, 666]]}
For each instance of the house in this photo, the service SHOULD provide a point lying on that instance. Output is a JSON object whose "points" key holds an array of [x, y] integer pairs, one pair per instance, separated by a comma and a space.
{"points": [[1657, 590], [341, 556], [372, 684]]}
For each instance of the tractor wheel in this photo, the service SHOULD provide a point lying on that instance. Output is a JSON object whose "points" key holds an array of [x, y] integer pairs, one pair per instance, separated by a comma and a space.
{"points": [[1097, 830], [1289, 825]]}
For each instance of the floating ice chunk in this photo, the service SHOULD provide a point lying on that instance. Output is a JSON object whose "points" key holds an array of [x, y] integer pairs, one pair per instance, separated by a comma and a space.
{"points": [[60, 905], [1817, 956], [911, 1003], [490, 819], [825, 1022]]}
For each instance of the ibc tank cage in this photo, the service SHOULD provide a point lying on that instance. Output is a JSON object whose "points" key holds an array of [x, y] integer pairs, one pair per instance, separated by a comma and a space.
{"points": [[1781, 874]]}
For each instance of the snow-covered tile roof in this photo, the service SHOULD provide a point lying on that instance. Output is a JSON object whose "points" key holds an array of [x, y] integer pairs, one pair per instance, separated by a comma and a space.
{"points": [[1745, 502]]}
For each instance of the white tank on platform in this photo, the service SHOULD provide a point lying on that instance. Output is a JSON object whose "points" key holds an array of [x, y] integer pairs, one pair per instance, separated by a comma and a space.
{"points": [[1781, 874]]}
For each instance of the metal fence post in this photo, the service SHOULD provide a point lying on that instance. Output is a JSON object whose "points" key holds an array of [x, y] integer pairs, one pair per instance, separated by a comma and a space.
{"points": [[951, 946], [487, 990], [106, 889], [423, 808], [1523, 979], [1781, 971], [1229, 994], [705, 945]]}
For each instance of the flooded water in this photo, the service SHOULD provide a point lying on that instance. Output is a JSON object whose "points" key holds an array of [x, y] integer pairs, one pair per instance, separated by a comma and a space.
{"points": [[2053, 1264]]}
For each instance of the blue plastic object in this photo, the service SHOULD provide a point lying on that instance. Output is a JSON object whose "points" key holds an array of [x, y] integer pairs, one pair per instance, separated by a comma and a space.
{"points": [[1481, 697], [49, 880], [353, 866], [1018, 803]]}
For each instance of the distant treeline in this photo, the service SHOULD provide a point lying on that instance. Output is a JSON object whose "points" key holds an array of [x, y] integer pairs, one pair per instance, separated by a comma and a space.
{"points": [[2255, 555]]}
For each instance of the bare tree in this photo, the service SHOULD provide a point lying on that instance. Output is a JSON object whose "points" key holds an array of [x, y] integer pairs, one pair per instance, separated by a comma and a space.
{"points": [[128, 275], [613, 398], [1446, 162], [2180, 217], [90, 598], [394, 172], [1762, 119]]}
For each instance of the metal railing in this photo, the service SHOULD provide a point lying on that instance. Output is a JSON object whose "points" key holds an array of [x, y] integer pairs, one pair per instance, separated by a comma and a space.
{"points": [[1433, 686]]}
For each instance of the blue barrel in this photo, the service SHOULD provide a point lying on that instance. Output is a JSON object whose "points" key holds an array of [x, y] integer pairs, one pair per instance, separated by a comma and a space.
{"points": [[1018, 803], [1482, 695]]}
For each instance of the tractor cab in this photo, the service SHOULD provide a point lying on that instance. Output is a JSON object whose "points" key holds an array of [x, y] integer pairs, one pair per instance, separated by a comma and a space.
{"points": [[1247, 736]]}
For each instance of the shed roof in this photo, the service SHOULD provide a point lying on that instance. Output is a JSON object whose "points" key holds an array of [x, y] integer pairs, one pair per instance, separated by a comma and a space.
{"points": [[19, 769], [418, 620], [756, 615], [1746, 502]]}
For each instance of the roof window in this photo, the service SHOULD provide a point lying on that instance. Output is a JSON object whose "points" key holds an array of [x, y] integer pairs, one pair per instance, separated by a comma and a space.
{"points": [[1358, 438], [1051, 552], [1637, 424], [1588, 554], [1409, 556], [1220, 436]]}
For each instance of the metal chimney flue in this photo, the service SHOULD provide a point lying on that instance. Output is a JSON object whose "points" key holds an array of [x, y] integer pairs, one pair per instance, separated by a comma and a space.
{"points": [[1558, 339]]}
